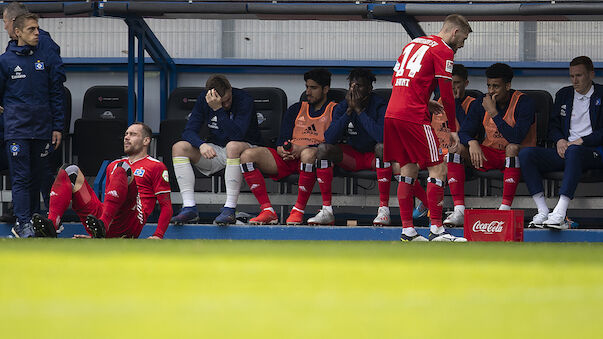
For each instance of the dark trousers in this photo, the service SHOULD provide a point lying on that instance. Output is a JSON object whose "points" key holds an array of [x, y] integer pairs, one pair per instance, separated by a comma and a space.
{"points": [[26, 164], [537, 160]]}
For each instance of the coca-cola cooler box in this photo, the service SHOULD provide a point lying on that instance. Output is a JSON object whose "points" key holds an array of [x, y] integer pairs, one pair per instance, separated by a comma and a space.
{"points": [[493, 225]]}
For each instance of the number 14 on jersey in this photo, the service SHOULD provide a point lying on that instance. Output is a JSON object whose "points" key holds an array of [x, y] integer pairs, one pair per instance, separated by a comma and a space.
{"points": [[411, 62]]}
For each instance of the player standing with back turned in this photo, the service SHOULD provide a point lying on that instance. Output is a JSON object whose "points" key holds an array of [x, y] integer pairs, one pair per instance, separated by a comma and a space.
{"points": [[409, 139]]}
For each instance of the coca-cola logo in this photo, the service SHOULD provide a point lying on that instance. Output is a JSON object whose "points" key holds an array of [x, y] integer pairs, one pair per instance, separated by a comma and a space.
{"points": [[494, 226]]}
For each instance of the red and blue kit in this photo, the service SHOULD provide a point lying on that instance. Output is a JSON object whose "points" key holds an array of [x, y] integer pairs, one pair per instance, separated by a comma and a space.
{"points": [[152, 180], [128, 202]]}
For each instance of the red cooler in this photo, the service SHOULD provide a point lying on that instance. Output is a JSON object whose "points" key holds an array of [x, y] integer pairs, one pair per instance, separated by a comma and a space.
{"points": [[493, 225]]}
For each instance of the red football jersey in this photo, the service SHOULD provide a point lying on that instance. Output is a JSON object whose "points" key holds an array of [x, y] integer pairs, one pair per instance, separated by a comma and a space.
{"points": [[422, 61], [151, 178]]}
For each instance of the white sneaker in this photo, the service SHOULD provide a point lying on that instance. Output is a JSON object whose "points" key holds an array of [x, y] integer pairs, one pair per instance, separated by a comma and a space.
{"points": [[538, 220], [556, 221], [382, 218], [324, 217], [456, 219], [445, 237], [416, 237]]}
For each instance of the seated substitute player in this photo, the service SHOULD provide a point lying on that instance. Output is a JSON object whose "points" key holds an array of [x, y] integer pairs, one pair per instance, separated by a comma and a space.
{"points": [[507, 118], [358, 120], [233, 127], [133, 185], [576, 128], [303, 126], [439, 122]]}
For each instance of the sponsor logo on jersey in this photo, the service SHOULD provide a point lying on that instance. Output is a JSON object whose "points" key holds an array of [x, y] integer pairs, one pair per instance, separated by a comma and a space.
{"points": [[165, 176], [39, 65], [311, 129], [18, 74], [449, 64]]}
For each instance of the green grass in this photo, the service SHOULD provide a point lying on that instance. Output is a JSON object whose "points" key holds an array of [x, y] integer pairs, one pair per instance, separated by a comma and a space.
{"points": [[260, 289]]}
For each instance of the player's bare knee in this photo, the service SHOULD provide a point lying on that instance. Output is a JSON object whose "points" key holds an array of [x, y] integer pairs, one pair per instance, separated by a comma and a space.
{"points": [[322, 152], [308, 155], [235, 148], [512, 150], [410, 170], [395, 168], [438, 171], [249, 155], [329, 152], [181, 149]]}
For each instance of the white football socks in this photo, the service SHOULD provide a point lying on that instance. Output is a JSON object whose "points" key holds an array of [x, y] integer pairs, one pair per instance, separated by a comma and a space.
{"points": [[540, 203], [562, 205], [186, 180], [233, 178]]}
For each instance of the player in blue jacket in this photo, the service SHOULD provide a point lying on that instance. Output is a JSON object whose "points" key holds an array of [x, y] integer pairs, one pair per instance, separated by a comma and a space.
{"points": [[10, 12], [576, 129], [228, 124], [31, 87], [506, 118], [358, 123]]}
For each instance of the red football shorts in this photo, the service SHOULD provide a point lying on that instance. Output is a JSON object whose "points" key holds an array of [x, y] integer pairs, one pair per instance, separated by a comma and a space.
{"points": [[355, 161], [407, 142], [285, 168], [128, 222], [495, 159]]}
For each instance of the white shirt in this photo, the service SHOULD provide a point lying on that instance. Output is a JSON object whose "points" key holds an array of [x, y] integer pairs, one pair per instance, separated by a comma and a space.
{"points": [[580, 119]]}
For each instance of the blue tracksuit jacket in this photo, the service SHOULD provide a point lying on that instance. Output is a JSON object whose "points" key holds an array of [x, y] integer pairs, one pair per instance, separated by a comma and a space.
{"points": [[238, 124], [31, 92], [559, 122], [362, 131]]}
